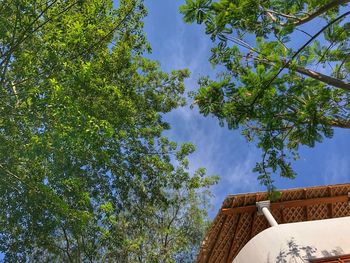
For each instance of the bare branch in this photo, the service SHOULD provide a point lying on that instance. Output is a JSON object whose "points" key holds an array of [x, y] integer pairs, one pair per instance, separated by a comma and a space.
{"points": [[308, 17], [320, 11], [324, 78], [271, 12], [273, 18], [339, 123], [337, 83], [15, 93], [303, 31]]}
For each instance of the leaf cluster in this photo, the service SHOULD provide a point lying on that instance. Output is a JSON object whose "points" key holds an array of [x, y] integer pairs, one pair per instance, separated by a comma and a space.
{"points": [[86, 174], [281, 96]]}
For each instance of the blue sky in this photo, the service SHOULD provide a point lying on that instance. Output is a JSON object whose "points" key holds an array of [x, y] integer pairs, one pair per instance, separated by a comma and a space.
{"points": [[177, 45]]}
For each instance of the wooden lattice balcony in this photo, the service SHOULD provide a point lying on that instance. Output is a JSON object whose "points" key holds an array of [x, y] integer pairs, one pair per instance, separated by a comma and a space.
{"points": [[238, 221]]}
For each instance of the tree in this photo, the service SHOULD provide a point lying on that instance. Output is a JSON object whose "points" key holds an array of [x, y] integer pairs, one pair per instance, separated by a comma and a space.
{"points": [[86, 174], [279, 92]]}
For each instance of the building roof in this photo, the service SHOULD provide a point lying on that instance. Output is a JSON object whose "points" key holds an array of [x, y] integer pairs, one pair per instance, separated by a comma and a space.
{"points": [[237, 221]]}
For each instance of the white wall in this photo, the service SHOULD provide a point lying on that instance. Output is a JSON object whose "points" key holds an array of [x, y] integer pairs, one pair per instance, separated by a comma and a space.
{"points": [[298, 242]]}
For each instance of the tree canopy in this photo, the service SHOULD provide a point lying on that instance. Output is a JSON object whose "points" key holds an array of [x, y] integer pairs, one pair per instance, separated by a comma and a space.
{"points": [[86, 174], [284, 73]]}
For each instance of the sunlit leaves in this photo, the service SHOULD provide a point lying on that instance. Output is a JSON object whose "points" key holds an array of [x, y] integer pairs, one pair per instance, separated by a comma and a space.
{"points": [[280, 110], [86, 172]]}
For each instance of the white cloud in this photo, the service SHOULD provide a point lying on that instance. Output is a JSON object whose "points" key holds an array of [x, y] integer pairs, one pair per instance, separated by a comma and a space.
{"points": [[337, 170], [240, 178], [220, 151]]}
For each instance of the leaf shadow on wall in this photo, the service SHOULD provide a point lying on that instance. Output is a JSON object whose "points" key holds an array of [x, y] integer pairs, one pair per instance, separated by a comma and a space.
{"points": [[300, 253]]}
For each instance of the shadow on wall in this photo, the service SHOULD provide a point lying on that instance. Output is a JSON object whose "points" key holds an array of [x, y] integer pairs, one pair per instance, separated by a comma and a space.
{"points": [[297, 253]]}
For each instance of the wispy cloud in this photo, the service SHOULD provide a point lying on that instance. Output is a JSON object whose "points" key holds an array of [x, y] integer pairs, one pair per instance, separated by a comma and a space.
{"points": [[220, 151], [237, 178], [240, 178], [337, 170]]}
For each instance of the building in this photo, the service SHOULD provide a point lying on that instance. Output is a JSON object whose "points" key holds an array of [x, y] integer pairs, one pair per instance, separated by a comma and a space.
{"points": [[304, 225]]}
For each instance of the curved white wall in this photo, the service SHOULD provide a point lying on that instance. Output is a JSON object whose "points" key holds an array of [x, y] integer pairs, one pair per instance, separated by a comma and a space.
{"points": [[298, 242]]}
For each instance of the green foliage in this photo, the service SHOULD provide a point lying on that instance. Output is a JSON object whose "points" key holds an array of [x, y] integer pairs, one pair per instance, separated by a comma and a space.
{"points": [[85, 172], [271, 90]]}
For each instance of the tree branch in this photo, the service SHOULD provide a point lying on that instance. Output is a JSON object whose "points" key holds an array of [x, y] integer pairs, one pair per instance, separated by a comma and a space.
{"points": [[339, 123], [15, 93], [324, 78], [298, 52], [342, 64], [309, 17], [337, 83], [273, 18], [271, 12], [67, 245], [320, 11]]}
